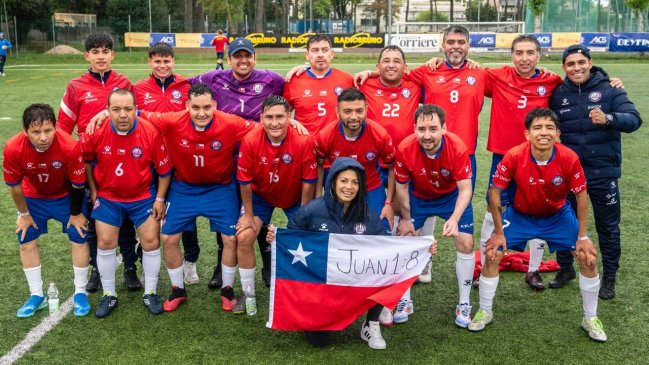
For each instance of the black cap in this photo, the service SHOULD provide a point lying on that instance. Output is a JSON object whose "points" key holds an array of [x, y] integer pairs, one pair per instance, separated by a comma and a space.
{"points": [[576, 48], [241, 44]]}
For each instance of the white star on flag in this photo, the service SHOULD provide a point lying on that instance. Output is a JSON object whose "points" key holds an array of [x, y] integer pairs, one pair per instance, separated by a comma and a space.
{"points": [[300, 254]]}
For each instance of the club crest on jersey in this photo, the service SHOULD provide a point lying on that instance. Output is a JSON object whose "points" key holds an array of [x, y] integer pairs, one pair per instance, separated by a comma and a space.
{"points": [[470, 80], [370, 156], [176, 94], [541, 90], [557, 180], [406, 93], [595, 96], [445, 172], [360, 228], [338, 90], [136, 152], [287, 158], [56, 164], [257, 88], [216, 145]]}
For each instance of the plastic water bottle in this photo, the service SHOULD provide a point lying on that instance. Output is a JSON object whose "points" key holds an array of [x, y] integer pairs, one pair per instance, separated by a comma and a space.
{"points": [[53, 298], [251, 302]]}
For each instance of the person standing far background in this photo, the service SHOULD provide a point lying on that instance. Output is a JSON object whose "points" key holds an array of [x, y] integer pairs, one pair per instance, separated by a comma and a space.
{"points": [[219, 43]]}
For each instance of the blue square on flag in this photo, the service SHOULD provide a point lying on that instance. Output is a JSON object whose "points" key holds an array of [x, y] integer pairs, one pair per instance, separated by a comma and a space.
{"points": [[302, 257]]}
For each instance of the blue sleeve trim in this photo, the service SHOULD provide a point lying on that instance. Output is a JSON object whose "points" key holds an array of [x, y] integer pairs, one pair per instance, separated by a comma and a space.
{"points": [[241, 182], [310, 181], [166, 174], [14, 184]]}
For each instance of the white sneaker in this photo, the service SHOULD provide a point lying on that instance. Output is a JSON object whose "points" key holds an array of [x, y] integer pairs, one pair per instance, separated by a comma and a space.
{"points": [[481, 320], [594, 328], [385, 318], [404, 309], [426, 276], [191, 276], [3, 74], [462, 315], [371, 333]]}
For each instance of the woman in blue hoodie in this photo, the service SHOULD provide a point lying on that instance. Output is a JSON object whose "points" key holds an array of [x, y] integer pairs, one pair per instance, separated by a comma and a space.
{"points": [[342, 209]]}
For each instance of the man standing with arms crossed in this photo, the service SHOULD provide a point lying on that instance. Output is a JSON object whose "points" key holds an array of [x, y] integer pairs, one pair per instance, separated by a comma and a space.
{"points": [[592, 115]]}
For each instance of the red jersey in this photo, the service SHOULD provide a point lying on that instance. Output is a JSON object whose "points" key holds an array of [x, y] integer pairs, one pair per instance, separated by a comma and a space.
{"points": [[513, 96], [392, 107], [86, 96], [315, 99], [150, 96], [541, 190], [460, 92], [44, 174], [432, 177], [201, 157], [277, 172], [219, 43], [372, 143], [123, 164]]}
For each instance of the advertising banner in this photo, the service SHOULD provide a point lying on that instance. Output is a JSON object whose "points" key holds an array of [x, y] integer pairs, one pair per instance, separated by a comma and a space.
{"points": [[136, 39], [169, 38], [629, 42], [545, 39], [409, 43], [565, 40], [483, 40], [597, 40]]}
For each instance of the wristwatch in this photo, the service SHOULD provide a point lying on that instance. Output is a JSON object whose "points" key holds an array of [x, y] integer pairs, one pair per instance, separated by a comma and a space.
{"points": [[609, 119]]}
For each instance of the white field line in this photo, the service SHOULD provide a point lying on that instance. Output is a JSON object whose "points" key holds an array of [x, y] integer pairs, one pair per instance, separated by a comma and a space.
{"points": [[37, 333]]}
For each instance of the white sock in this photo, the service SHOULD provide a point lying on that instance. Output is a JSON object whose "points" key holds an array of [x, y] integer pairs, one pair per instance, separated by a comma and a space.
{"points": [[106, 265], [176, 276], [589, 288], [429, 227], [485, 233], [228, 273], [248, 280], [396, 224], [464, 266], [151, 267], [487, 290], [34, 280], [537, 247], [80, 279]]}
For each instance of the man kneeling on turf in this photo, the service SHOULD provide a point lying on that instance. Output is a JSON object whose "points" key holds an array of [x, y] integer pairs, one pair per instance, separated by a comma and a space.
{"points": [[45, 173], [124, 155], [544, 172]]}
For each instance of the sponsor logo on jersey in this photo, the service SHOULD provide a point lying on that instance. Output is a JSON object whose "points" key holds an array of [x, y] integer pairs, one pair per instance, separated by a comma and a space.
{"points": [[307, 92], [441, 80], [323, 227], [176, 94], [136, 152], [370, 156], [287, 158], [147, 96], [565, 101], [258, 88], [216, 145], [90, 98], [595, 96], [557, 180], [106, 150], [379, 92], [338, 90], [406, 93], [445, 172], [184, 143], [360, 228], [542, 90], [471, 80]]}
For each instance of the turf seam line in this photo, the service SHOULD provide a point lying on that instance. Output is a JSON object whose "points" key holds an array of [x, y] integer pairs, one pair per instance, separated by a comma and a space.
{"points": [[37, 333]]}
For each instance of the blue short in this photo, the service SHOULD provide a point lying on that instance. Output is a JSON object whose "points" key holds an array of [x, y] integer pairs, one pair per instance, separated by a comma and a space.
{"points": [[505, 195], [264, 210], [186, 202], [474, 169], [443, 207], [376, 201], [113, 213], [558, 230], [219, 55], [42, 210]]}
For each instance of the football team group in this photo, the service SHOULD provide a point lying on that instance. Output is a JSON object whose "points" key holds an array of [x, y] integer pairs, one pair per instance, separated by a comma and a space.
{"points": [[381, 152]]}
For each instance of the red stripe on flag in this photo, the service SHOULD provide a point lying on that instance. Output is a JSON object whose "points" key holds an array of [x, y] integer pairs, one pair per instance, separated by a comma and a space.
{"points": [[315, 307]]}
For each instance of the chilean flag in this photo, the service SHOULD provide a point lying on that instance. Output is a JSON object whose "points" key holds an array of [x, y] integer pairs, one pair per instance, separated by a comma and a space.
{"points": [[323, 281]]}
